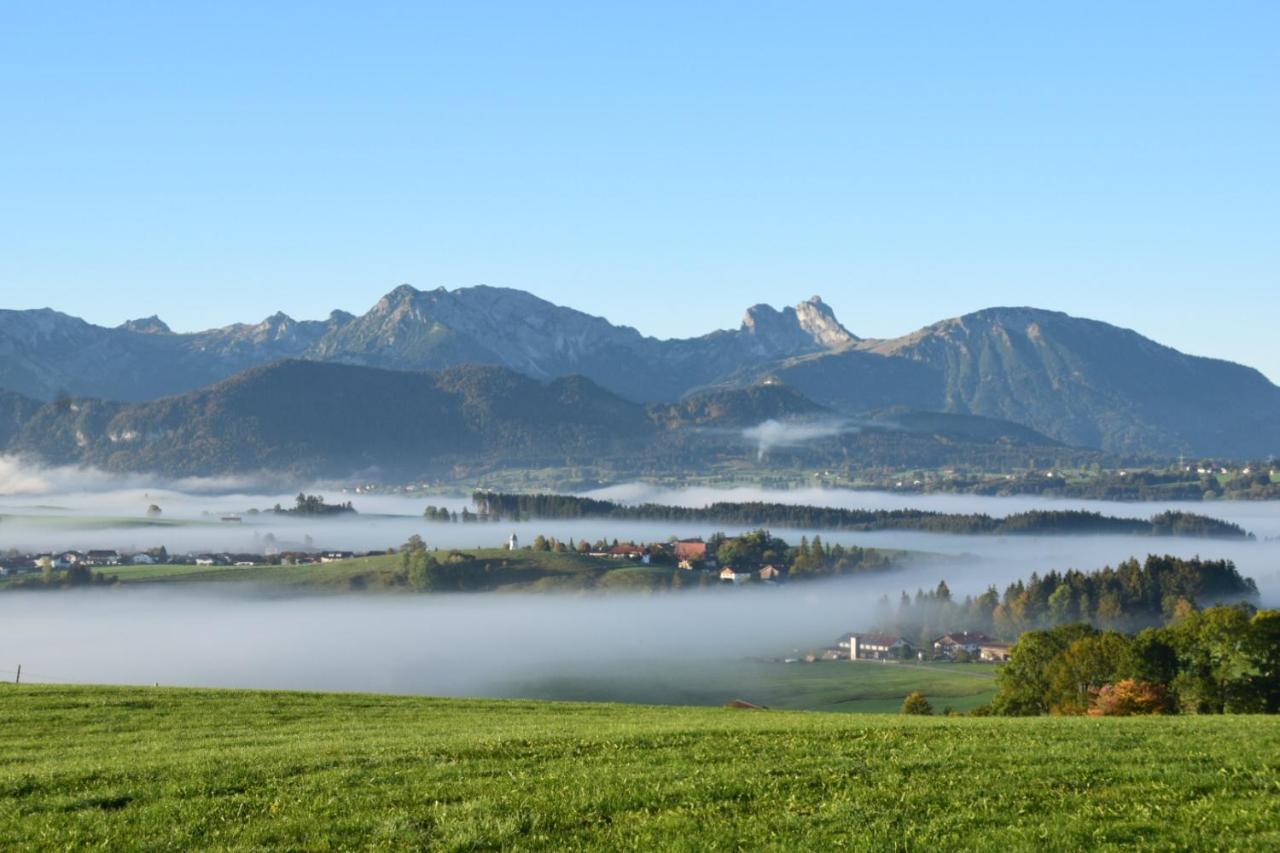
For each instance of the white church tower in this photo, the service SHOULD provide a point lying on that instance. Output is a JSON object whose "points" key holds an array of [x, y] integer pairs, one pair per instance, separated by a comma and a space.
{"points": [[513, 544]]}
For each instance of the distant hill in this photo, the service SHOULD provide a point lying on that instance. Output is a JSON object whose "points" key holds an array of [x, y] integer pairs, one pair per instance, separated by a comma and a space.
{"points": [[314, 418], [1082, 382], [15, 412], [741, 407], [328, 418], [1094, 385]]}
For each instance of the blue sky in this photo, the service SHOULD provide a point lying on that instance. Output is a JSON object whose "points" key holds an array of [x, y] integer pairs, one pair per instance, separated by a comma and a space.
{"points": [[665, 165]]}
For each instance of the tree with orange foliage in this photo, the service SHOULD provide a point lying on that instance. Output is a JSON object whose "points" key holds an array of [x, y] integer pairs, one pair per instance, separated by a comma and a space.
{"points": [[1128, 698]]}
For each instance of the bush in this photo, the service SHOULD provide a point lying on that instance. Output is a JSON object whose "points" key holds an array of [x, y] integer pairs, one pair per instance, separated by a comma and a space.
{"points": [[916, 704], [1128, 698]]}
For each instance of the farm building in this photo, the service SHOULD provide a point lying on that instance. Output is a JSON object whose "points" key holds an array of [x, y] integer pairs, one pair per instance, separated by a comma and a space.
{"points": [[969, 641], [994, 652], [692, 550], [873, 646]]}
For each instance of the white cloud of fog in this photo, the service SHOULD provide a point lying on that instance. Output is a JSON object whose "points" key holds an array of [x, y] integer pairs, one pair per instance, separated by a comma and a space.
{"points": [[20, 476], [491, 644], [773, 434], [488, 644]]}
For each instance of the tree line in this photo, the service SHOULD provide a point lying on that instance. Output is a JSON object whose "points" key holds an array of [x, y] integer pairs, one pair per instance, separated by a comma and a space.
{"points": [[305, 504], [1221, 660], [755, 513], [1128, 597]]}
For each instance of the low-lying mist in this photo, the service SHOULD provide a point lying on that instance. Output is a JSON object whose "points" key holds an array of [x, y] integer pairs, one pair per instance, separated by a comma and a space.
{"points": [[467, 645], [772, 434], [494, 644]]}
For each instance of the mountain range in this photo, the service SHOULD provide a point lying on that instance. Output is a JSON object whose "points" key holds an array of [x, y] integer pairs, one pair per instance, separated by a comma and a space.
{"points": [[1075, 381], [308, 418]]}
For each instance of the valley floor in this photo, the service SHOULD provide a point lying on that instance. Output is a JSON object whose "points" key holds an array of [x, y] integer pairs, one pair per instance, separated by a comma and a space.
{"points": [[170, 768]]}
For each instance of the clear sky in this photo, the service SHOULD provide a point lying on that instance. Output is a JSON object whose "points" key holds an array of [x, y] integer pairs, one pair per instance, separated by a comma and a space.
{"points": [[664, 165]]}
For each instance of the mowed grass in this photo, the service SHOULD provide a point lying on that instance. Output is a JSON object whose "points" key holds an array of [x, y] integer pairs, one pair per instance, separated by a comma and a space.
{"points": [[862, 687], [129, 768]]}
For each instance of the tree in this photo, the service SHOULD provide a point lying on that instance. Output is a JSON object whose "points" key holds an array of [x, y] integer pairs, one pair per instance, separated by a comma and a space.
{"points": [[1152, 657], [1024, 680], [917, 704], [1216, 668], [1061, 605], [1129, 697], [422, 571], [1264, 648], [1084, 667]]}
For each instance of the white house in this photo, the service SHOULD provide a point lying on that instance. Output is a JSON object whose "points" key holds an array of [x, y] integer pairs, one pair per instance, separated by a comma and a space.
{"points": [[143, 560], [872, 646], [728, 575]]}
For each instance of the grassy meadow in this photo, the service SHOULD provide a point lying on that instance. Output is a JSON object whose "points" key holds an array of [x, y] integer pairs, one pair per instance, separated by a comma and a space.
{"points": [[488, 569], [852, 687], [176, 769]]}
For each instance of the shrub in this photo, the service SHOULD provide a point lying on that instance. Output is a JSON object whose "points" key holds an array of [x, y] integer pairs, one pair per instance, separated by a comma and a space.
{"points": [[1128, 698], [916, 704]]}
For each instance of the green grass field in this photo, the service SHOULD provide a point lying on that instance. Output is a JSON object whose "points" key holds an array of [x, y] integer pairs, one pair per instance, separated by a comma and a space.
{"points": [[139, 768], [862, 687], [491, 568]]}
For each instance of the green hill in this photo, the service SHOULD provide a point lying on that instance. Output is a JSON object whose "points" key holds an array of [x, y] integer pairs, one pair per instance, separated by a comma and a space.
{"points": [[308, 419], [130, 768]]}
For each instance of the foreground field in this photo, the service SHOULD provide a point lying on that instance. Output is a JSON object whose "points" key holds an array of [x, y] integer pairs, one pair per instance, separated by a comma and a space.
{"points": [[130, 768]]}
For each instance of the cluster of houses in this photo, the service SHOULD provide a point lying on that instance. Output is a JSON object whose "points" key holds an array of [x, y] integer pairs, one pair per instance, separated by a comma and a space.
{"points": [[687, 554], [690, 554], [16, 564], [964, 645], [20, 564]]}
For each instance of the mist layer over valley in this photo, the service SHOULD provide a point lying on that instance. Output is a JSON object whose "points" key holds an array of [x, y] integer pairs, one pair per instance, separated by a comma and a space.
{"points": [[501, 644]]}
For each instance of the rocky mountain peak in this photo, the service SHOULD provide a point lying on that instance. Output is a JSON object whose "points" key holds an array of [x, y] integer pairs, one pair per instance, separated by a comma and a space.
{"points": [[402, 295], [152, 325], [809, 327], [818, 320]]}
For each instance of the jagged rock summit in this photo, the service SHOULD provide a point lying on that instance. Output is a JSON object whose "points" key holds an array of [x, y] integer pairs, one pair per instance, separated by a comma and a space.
{"points": [[1079, 381]]}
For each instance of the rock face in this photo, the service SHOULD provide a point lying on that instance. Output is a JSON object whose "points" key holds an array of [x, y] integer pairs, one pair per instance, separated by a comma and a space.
{"points": [[809, 327], [152, 325], [1078, 381]]}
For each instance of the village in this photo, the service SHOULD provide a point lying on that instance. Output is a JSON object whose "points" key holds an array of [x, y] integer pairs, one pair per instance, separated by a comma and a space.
{"points": [[952, 647], [754, 558], [14, 564], [689, 554]]}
